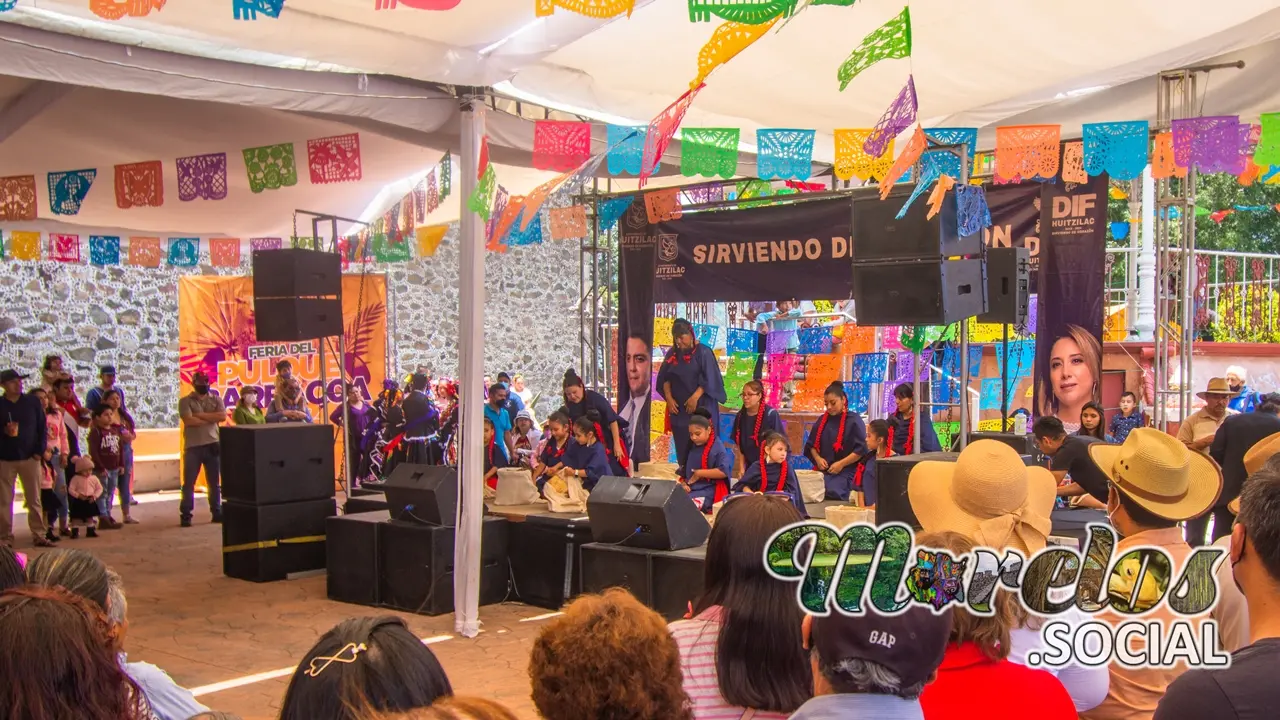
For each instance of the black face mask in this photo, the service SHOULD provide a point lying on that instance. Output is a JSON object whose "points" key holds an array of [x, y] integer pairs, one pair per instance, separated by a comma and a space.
{"points": [[201, 388]]}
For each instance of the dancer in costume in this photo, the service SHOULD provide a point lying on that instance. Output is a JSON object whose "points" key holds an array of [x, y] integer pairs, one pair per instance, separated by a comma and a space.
{"points": [[551, 458], [706, 468], [837, 441], [772, 474], [902, 426], [579, 403], [585, 456], [753, 422], [690, 380]]}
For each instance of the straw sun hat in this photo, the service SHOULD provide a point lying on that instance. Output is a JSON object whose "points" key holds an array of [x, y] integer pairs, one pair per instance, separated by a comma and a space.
{"points": [[1257, 456], [1217, 386], [988, 495], [1159, 473]]}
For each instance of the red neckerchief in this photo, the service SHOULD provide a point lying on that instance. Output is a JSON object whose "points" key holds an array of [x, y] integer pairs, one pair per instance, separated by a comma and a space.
{"points": [[678, 356], [624, 461], [782, 476], [822, 425], [857, 475], [755, 434], [722, 486], [492, 482], [559, 452]]}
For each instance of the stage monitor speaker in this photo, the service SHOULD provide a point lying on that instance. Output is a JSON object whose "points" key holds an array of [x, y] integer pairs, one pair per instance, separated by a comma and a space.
{"points": [[351, 549], [645, 513], [367, 503], [892, 503], [678, 580], [608, 566], [1008, 285], [919, 292], [426, 494], [415, 565], [292, 273], [544, 559], [263, 543], [296, 319], [278, 463], [879, 236], [1024, 445]]}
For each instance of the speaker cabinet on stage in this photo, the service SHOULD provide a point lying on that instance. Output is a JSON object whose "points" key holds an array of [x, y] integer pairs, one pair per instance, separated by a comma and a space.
{"points": [[919, 292], [892, 503], [297, 319], [666, 581], [263, 543], [879, 236], [677, 580], [645, 513], [426, 494], [277, 463], [1008, 285], [416, 565], [1024, 445], [367, 503], [545, 571], [291, 273], [351, 550]]}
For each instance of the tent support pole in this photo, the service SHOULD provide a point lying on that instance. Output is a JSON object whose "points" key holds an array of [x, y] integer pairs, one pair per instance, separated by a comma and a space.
{"points": [[466, 579]]}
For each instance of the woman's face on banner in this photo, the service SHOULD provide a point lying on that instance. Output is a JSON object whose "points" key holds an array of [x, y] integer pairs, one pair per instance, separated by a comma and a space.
{"points": [[1072, 380]]}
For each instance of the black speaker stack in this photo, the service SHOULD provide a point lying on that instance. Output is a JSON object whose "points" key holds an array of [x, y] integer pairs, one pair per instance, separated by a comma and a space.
{"points": [[278, 491], [892, 502], [297, 294], [645, 513], [401, 556], [915, 270], [1008, 285]]}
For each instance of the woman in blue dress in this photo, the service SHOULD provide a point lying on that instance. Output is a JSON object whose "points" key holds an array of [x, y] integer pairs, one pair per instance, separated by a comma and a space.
{"points": [[753, 422], [836, 442], [772, 473], [585, 455], [690, 380], [579, 402], [706, 468]]}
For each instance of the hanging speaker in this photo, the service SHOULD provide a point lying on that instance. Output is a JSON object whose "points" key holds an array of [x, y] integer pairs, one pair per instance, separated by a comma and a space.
{"points": [[919, 292], [1008, 285], [292, 273]]}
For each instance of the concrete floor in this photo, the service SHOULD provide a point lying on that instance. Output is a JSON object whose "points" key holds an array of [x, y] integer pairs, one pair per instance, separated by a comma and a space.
{"points": [[209, 631]]}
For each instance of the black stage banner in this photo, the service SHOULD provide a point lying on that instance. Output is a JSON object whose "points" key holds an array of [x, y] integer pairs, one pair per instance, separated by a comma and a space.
{"points": [[1073, 246]]}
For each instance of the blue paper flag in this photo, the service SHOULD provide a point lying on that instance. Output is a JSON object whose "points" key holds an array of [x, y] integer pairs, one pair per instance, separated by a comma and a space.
{"points": [[740, 340], [249, 9], [870, 368], [68, 189], [626, 148], [799, 462], [859, 394], [184, 252], [611, 210], [104, 250], [707, 334], [947, 388], [815, 341], [531, 235], [990, 398], [725, 431], [1022, 355], [1120, 230]]}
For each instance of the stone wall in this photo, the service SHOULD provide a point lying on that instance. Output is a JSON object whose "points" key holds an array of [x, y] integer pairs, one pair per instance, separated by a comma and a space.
{"points": [[128, 317]]}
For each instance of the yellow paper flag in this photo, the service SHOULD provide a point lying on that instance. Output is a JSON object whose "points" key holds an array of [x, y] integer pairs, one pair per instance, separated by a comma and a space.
{"points": [[24, 245], [429, 237], [662, 332], [657, 415]]}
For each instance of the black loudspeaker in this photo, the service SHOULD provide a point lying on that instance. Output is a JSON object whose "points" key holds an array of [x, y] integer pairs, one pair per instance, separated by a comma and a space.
{"points": [[544, 559], [878, 235], [294, 273], [1024, 445], [608, 566], [278, 463], [645, 513], [919, 292], [367, 503], [1008, 285], [677, 581], [416, 565], [351, 549], [426, 494], [263, 543], [892, 502], [294, 319]]}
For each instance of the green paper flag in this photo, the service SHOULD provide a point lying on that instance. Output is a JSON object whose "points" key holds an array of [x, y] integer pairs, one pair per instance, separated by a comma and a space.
{"points": [[385, 251], [1201, 211], [709, 152], [481, 200], [446, 176], [891, 40], [303, 243]]}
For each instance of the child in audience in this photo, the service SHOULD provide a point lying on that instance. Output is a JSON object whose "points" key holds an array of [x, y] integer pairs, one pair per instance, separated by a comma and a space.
{"points": [[1130, 418], [248, 412], [106, 447], [864, 474], [128, 432], [707, 467], [84, 491], [777, 475], [551, 458], [1091, 422], [57, 454], [492, 459], [585, 456], [526, 438]]}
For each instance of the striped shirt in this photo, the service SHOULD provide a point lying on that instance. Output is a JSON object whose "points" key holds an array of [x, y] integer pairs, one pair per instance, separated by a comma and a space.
{"points": [[697, 641]]}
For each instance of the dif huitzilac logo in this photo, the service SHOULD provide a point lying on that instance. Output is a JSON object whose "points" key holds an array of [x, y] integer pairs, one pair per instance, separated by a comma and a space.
{"points": [[867, 567]]}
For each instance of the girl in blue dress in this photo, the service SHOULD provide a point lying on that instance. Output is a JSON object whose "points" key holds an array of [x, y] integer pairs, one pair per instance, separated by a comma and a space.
{"points": [[753, 422], [772, 473], [837, 441], [690, 380], [902, 425], [585, 457], [707, 466], [579, 402], [551, 459]]}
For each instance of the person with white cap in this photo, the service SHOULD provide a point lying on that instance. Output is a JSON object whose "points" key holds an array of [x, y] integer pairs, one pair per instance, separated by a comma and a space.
{"points": [[1244, 399], [1198, 429], [1155, 483], [993, 499]]}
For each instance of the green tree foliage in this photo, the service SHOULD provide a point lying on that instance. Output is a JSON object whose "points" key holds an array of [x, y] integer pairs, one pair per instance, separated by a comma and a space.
{"points": [[1242, 231]]}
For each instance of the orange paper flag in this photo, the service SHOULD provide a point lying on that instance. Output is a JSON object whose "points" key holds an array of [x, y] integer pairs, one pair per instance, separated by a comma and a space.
{"points": [[429, 237]]}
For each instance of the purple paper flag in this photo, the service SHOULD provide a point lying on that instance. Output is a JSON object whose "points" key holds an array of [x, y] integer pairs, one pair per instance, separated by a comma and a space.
{"points": [[202, 177], [897, 118]]}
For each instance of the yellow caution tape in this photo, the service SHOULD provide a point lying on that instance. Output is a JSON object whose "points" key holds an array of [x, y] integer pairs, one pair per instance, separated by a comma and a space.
{"points": [[273, 543]]}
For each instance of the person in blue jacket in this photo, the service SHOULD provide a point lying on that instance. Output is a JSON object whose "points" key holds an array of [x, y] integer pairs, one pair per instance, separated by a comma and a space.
{"points": [[585, 455], [690, 380], [902, 426], [772, 474], [837, 441], [753, 422], [705, 470]]}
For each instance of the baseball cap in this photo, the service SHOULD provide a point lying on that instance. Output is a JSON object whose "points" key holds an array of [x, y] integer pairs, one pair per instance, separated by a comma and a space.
{"points": [[107, 370], [11, 375], [910, 644]]}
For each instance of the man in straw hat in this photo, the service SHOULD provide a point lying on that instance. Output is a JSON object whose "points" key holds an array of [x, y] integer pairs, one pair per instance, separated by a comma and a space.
{"points": [[1237, 435], [1248, 688], [1155, 483], [1197, 431]]}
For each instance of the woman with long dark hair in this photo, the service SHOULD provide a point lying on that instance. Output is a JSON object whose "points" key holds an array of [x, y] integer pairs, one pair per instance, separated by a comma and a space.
{"points": [[742, 650], [689, 379], [579, 402], [753, 422], [1091, 419]]}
